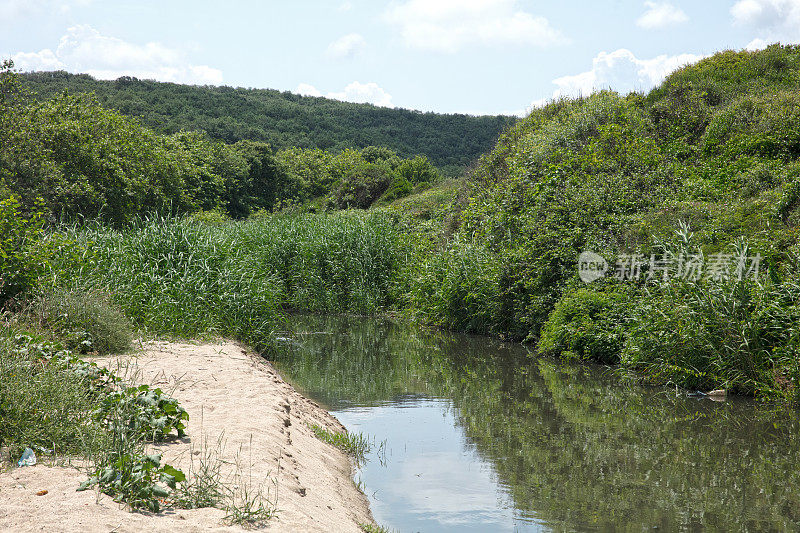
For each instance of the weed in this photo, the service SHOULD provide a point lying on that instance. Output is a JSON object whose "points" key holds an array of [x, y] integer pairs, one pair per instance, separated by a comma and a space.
{"points": [[248, 504], [204, 484], [355, 445], [373, 528]]}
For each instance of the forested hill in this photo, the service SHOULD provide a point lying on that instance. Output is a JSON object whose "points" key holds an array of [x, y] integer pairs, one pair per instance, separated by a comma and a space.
{"points": [[284, 119]]}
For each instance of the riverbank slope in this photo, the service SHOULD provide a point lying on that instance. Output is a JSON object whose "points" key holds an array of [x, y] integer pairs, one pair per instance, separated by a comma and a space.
{"points": [[242, 412]]}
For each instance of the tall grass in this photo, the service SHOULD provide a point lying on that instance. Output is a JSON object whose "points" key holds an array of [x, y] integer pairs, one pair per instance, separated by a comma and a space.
{"points": [[457, 287], [185, 278], [41, 405], [739, 335]]}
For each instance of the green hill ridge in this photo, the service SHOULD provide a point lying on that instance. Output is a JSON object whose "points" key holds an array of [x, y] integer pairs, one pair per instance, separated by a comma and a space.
{"points": [[284, 119]]}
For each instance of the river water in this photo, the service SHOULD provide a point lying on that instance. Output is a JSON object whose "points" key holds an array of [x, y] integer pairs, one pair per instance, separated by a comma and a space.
{"points": [[473, 434]]}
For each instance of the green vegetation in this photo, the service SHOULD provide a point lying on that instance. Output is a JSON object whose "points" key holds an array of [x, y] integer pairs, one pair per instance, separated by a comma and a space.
{"points": [[95, 242], [78, 160], [204, 485], [186, 278], [247, 504], [138, 480], [85, 320], [369, 528], [52, 401], [41, 404], [706, 164], [24, 252], [355, 445], [283, 119]]}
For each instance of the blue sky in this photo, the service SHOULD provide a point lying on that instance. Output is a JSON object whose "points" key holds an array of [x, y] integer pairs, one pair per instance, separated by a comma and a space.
{"points": [[467, 56]]}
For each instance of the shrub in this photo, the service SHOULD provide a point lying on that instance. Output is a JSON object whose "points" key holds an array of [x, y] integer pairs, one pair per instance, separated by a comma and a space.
{"points": [[88, 320], [586, 324], [24, 257]]}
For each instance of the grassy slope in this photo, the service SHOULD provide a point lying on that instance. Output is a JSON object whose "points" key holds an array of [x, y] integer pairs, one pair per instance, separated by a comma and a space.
{"points": [[714, 150]]}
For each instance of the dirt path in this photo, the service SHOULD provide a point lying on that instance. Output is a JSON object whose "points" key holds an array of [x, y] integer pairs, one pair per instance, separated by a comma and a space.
{"points": [[233, 398]]}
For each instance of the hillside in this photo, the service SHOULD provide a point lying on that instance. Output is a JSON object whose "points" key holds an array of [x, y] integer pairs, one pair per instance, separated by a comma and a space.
{"points": [[284, 119], [705, 168]]}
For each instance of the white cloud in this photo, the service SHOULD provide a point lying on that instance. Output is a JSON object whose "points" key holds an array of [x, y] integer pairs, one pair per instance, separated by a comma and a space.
{"points": [[42, 60], [362, 93], [305, 89], [450, 25], [84, 49], [346, 46], [346, 6], [621, 71], [756, 44], [661, 15], [778, 20]]}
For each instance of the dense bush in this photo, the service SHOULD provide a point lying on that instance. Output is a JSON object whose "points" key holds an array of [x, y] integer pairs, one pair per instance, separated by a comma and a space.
{"points": [[586, 324], [24, 256]]}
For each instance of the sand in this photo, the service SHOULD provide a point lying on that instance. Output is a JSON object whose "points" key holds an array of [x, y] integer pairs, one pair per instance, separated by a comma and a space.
{"points": [[233, 397]]}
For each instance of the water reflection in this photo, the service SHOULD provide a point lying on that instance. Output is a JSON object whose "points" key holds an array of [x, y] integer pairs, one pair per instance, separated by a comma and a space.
{"points": [[479, 434]]}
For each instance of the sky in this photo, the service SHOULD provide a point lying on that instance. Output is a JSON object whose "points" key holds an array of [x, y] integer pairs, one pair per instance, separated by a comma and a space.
{"points": [[448, 56]]}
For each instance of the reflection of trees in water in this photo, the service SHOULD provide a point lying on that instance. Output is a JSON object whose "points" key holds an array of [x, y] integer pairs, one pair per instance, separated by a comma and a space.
{"points": [[572, 446]]}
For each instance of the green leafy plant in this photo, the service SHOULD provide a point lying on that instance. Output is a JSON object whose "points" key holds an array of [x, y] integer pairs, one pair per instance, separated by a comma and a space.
{"points": [[146, 413], [24, 256], [136, 479]]}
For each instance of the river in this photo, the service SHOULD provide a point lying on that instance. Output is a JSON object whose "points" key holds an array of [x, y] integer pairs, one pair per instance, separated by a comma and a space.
{"points": [[474, 434]]}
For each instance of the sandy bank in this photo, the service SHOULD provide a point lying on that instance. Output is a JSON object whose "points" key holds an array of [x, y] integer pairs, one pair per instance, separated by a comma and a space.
{"points": [[231, 395]]}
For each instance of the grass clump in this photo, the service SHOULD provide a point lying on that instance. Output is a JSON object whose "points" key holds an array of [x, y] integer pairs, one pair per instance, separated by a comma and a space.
{"points": [[373, 528], [355, 445], [204, 485], [207, 484], [87, 320], [248, 504], [42, 405]]}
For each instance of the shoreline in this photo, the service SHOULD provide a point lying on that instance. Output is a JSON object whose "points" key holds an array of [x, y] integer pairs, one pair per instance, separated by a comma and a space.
{"points": [[243, 413]]}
